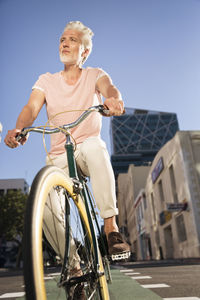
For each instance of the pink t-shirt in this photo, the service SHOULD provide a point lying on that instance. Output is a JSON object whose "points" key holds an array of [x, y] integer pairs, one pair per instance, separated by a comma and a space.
{"points": [[62, 97]]}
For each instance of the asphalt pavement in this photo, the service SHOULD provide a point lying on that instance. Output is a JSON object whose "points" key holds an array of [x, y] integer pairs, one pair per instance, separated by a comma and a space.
{"points": [[122, 287]]}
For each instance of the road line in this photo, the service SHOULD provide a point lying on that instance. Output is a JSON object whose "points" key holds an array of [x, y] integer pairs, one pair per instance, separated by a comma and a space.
{"points": [[153, 286], [126, 270], [12, 295], [141, 277], [129, 274], [182, 298], [54, 274], [48, 278]]}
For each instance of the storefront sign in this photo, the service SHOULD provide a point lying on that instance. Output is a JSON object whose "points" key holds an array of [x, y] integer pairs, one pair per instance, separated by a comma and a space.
{"points": [[177, 206], [165, 216]]}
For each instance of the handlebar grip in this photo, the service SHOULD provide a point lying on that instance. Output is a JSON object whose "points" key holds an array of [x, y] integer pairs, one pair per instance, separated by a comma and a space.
{"points": [[18, 138], [105, 111], [21, 135]]}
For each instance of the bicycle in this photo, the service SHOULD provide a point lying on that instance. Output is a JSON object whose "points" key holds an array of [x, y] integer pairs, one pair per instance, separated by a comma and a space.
{"points": [[80, 228]]}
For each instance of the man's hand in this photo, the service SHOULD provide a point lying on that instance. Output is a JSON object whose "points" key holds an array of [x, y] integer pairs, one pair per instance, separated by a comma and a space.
{"points": [[10, 139], [115, 106]]}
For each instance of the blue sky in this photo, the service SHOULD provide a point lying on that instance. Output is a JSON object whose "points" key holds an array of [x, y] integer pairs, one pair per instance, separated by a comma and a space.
{"points": [[150, 48]]}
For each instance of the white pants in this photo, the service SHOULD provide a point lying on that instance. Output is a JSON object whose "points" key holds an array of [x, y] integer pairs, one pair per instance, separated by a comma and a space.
{"points": [[54, 227], [93, 159]]}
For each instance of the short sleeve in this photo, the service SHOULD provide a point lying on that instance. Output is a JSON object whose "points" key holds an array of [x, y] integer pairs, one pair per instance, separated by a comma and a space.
{"points": [[37, 87], [40, 84], [102, 73]]}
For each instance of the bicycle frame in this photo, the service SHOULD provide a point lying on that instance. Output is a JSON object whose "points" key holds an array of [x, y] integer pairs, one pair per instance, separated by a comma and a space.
{"points": [[81, 187]]}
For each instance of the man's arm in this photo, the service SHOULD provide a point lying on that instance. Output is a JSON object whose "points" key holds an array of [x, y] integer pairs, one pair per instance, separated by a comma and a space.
{"points": [[113, 100], [26, 118]]}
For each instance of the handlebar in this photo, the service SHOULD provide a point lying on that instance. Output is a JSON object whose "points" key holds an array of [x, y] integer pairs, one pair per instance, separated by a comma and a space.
{"points": [[99, 108]]}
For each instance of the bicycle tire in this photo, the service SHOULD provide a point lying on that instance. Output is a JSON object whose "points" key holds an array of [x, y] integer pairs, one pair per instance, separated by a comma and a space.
{"points": [[50, 178]]}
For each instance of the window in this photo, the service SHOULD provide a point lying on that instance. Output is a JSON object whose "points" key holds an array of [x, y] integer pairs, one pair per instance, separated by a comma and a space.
{"points": [[144, 201], [173, 184], [153, 207], [161, 193], [180, 227]]}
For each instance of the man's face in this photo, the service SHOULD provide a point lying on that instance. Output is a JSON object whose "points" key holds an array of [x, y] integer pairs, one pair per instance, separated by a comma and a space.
{"points": [[71, 48]]}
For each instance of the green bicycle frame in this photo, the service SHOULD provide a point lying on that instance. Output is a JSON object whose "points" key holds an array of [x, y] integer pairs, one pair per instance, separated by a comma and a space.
{"points": [[74, 175]]}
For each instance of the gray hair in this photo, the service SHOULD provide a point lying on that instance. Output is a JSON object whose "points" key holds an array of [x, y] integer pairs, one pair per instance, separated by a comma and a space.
{"points": [[87, 34]]}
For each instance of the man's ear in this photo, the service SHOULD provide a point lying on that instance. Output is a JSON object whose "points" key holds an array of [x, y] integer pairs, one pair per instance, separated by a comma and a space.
{"points": [[85, 53]]}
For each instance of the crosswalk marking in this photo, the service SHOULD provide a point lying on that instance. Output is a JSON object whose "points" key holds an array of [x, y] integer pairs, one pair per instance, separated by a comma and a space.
{"points": [[12, 295], [54, 274], [141, 277], [132, 273], [48, 278], [153, 286], [126, 270]]}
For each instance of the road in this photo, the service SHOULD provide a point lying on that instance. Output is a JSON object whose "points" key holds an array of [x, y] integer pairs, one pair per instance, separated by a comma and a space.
{"points": [[133, 281], [167, 280]]}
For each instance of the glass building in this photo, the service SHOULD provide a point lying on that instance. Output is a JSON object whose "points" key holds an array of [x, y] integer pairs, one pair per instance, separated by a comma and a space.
{"points": [[138, 135]]}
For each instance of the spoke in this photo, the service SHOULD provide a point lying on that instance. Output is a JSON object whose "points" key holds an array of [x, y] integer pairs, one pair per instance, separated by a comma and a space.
{"points": [[80, 252]]}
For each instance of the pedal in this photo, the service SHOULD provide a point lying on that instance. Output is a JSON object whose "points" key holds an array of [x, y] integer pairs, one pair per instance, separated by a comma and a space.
{"points": [[120, 256]]}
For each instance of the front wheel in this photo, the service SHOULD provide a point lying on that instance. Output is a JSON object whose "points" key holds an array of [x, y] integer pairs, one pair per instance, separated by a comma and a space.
{"points": [[56, 219]]}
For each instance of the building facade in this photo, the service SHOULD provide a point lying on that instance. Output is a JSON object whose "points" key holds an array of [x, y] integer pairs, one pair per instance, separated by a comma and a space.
{"points": [[7, 185], [138, 135], [173, 197], [165, 214]]}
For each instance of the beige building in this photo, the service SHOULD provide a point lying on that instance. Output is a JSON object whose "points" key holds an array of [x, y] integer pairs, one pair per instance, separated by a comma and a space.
{"points": [[173, 197], [129, 186], [159, 208]]}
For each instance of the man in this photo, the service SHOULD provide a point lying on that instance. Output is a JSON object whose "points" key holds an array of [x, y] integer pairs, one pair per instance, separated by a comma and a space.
{"points": [[76, 88]]}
